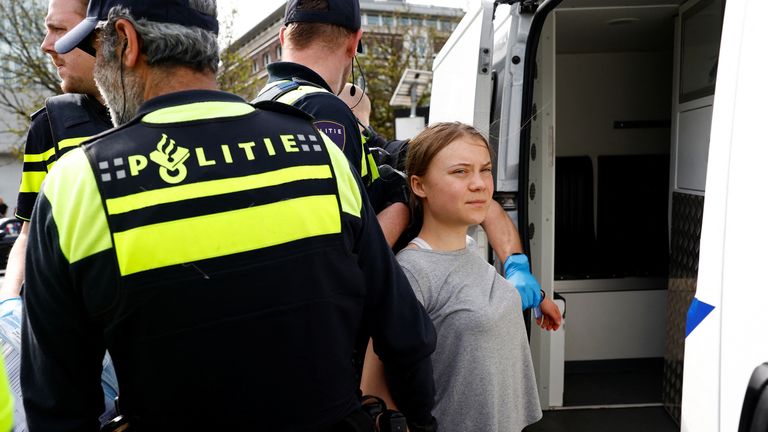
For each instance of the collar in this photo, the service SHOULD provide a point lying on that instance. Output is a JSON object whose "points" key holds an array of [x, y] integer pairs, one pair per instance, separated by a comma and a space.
{"points": [[185, 97], [101, 110], [287, 70]]}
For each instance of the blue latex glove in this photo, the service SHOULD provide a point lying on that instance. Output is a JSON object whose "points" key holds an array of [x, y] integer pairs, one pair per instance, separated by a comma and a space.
{"points": [[518, 271]]}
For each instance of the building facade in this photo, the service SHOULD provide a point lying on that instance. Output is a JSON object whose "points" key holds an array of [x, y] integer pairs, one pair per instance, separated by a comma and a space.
{"points": [[396, 36], [430, 25]]}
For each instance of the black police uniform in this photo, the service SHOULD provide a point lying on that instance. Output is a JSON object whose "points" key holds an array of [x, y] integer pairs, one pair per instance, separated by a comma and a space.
{"points": [[66, 121], [334, 118], [227, 258]]}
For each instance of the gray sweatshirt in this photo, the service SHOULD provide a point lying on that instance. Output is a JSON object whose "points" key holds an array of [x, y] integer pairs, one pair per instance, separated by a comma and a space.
{"points": [[482, 365]]}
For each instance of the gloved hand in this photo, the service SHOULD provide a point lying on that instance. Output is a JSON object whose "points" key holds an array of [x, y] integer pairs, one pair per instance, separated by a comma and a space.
{"points": [[518, 271]]}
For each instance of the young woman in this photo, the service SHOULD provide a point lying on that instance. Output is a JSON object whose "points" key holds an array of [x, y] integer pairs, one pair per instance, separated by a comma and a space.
{"points": [[482, 365]]}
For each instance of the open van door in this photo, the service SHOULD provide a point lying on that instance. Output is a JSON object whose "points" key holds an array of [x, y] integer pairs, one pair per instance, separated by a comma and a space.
{"points": [[484, 76], [524, 114], [461, 79]]}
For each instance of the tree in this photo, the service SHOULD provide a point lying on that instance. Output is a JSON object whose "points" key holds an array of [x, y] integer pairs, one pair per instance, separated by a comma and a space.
{"points": [[27, 76], [388, 52], [235, 71]]}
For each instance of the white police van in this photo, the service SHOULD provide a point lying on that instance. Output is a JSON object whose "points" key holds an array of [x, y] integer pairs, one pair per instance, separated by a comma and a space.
{"points": [[630, 151]]}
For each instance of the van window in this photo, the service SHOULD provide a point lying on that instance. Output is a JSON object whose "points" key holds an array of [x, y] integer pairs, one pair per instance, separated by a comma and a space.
{"points": [[701, 27]]}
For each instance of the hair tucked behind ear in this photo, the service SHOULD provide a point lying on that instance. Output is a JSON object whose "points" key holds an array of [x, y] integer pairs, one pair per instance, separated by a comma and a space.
{"points": [[427, 144]]}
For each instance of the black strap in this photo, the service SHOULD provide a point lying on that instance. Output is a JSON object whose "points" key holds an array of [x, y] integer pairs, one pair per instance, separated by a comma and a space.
{"points": [[73, 115], [278, 90], [65, 111]]}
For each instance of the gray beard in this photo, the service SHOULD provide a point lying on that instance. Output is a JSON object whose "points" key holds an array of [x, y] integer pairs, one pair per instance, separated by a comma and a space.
{"points": [[121, 92]]}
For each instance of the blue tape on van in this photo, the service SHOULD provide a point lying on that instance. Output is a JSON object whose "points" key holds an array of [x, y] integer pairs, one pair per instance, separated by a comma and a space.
{"points": [[696, 314]]}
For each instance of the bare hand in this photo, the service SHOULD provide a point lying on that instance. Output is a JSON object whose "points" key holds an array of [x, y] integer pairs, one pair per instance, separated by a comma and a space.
{"points": [[550, 315]]}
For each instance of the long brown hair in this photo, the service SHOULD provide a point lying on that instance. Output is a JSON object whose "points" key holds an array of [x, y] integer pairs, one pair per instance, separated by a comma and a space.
{"points": [[427, 144]]}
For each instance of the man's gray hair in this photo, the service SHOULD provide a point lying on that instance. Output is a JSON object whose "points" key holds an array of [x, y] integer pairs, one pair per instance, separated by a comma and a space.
{"points": [[167, 44]]}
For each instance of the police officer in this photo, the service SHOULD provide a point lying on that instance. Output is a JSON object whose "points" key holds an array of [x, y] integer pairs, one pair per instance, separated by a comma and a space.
{"points": [[319, 41], [224, 253], [60, 126]]}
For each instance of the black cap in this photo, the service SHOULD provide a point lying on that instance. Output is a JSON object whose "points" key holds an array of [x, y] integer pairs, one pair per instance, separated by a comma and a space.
{"points": [[165, 11], [343, 13]]}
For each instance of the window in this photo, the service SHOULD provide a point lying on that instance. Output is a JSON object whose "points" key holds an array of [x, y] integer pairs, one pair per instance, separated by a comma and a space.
{"points": [[421, 46], [701, 26], [431, 23], [389, 20], [267, 59], [404, 21], [279, 53], [255, 65]]}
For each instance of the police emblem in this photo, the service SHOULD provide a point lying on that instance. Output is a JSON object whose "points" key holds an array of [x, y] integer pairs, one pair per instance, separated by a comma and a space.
{"points": [[335, 132]]}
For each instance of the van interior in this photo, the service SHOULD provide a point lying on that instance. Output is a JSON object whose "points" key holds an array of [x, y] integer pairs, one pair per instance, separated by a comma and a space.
{"points": [[629, 184], [613, 90]]}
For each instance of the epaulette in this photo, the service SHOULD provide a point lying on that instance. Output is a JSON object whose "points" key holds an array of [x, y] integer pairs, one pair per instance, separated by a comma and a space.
{"points": [[282, 108], [37, 113], [67, 109]]}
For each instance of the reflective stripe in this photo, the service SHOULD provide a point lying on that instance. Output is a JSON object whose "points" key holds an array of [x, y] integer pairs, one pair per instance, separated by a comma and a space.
{"points": [[39, 157], [76, 206], [180, 241], [31, 181], [151, 198], [198, 111], [6, 399], [363, 166], [72, 142], [374, 168], [349, 192]]}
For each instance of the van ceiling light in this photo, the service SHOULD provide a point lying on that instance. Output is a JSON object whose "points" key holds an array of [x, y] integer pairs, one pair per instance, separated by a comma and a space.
{"points": [[622, 21]]}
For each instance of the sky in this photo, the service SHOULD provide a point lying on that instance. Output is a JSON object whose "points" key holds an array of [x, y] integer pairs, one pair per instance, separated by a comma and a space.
{"points": [[250, 12]]}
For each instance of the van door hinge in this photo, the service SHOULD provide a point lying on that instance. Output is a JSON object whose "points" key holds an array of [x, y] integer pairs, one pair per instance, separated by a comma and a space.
{"points": [[484, 68], [526, 6]]}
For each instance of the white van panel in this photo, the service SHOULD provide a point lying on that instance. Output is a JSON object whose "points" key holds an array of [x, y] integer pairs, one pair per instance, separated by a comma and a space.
{"points": [[722, 351], [457, 67], [625, 313]]}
